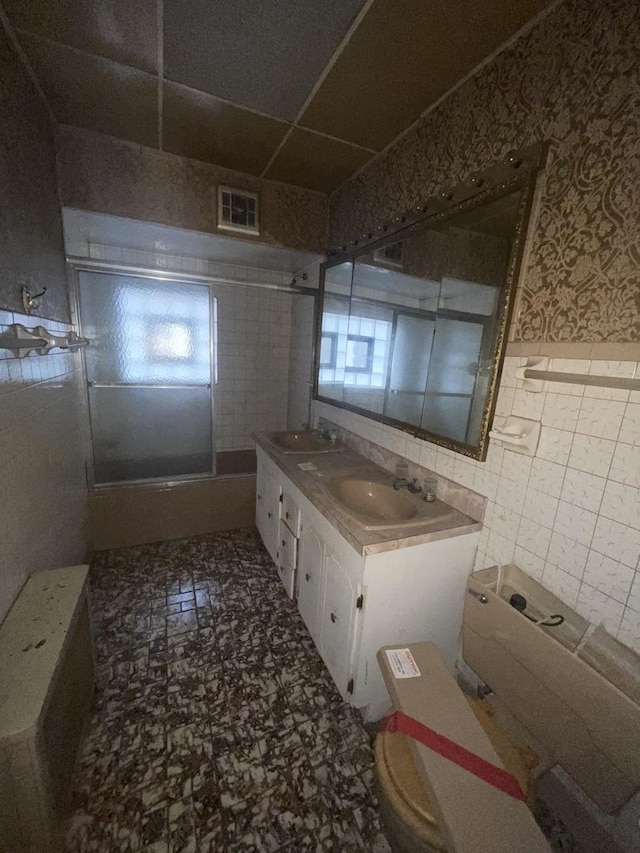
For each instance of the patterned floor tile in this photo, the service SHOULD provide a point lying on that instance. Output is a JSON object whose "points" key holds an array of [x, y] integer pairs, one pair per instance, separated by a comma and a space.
{"points": [[216, 725]]}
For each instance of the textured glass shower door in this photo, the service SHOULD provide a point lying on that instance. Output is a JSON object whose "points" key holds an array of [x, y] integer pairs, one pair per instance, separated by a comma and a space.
{"points": [[149, 376]]}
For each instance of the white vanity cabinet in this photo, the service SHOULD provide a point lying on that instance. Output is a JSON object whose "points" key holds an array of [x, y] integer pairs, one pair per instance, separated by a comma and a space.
{"points": [[354, 603]]}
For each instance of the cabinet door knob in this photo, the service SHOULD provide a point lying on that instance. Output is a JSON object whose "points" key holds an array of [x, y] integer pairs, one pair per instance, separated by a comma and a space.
{"points": [[307, 577], [284, 544], [269, 515], [259, 497], [333, 618], [286, 515]]}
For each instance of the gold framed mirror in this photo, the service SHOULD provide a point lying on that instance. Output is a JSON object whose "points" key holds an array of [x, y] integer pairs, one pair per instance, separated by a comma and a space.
{"points": [[411, 328]]}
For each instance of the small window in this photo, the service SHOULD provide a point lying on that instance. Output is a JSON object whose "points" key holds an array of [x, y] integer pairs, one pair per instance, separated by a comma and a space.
{"points": [[238, 211], [359, 354], [391, 255]]}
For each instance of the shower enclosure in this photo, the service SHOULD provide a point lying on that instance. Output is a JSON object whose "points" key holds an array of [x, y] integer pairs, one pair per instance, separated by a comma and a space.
{"points": [[150, 373]]}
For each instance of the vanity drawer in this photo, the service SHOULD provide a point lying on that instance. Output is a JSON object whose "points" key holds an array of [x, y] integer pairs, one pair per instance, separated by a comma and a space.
{"points": [[290, 513]]}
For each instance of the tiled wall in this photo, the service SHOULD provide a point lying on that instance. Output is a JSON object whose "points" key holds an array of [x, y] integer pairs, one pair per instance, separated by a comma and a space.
{"points": [[301, 356], [42, 452], [570, 516], [254, 333]]}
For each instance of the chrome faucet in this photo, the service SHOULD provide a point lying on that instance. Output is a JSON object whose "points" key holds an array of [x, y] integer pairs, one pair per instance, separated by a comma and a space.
{"points": [[322, 431], [412, 486]]}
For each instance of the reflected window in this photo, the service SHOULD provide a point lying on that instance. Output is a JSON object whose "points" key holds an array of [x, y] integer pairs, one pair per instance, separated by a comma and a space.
{"points": [[359, 353], [354, 350], [329, 350]]}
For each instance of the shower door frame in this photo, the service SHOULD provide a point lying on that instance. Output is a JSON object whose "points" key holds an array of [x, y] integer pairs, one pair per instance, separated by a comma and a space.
{"points": [[88, 266]]}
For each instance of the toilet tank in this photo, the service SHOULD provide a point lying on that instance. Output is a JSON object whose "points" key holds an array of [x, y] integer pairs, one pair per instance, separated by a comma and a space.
{"points": [[574, 688]]}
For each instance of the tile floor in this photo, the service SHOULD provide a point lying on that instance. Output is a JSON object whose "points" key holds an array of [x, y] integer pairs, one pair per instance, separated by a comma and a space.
{"points": [[216, 725]]}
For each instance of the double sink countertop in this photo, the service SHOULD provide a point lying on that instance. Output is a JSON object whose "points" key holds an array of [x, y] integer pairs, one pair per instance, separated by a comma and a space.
{"points": [[346, 464]]}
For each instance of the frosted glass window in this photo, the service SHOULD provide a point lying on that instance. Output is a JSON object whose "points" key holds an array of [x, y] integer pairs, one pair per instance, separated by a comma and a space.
{"points": [[144, 330]]}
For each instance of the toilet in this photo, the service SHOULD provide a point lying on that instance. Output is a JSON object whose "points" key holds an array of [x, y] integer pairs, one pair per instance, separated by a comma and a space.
{"points": [[405, 806], [566, 694]]}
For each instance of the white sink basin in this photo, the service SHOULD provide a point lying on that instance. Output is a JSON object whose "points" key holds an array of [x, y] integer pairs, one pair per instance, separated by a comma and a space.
{"points": [[301, 442], [374, 505]]}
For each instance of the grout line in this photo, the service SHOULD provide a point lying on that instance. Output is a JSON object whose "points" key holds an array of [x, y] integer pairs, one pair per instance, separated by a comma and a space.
{"points": [[160, 57], [486, 61], [334, 58], [11, 33]]}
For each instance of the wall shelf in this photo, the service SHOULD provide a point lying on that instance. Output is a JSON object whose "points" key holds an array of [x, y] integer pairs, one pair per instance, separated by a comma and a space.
{"points": [[22, 341]]}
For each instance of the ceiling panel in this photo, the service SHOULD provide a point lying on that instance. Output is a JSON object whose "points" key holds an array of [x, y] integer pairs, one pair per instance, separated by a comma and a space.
{"points": [[121, 30], [200, 126], [309, 160], [91, 92], [261, 55], [404, 55]]}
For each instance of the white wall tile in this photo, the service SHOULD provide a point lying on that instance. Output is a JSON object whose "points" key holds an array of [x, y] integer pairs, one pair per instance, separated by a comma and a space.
{"points": [[598, 608], [574, 522], [554, 445], [608, 576], [567, 554], [529, 562], [583, 490], [625, 465], [621, 503], [43, 448], [634, 595], [540, 507], [534, 537], [592, 455], [547, 477], [561, 583], [576, 503], [511, 494], [630, 427], [602, 421], [561, 411], [618, 541], [629, 632], [516, 466]]}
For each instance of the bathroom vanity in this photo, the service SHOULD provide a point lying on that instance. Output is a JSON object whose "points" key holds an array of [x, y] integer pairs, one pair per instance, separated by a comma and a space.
{"points": [[358, 583]]}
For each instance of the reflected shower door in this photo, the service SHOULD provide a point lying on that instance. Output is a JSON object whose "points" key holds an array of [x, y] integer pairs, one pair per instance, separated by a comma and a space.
{"points": [[453, 370], [149, 375], [412, 345]]}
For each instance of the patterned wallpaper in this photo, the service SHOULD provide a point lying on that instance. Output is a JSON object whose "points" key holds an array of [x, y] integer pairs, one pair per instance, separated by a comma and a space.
{"points": [[31, 252], [108, 175], [573, 80]]}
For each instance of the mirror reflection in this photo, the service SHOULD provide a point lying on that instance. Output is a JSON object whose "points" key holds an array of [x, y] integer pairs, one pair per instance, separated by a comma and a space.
{"points": [[409, 330]]}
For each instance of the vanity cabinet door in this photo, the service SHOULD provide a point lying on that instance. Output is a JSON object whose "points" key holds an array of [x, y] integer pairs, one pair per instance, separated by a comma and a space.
{"points": [[287, 547], [310, 560], [267, 504], [290, 513], [338, 621]]}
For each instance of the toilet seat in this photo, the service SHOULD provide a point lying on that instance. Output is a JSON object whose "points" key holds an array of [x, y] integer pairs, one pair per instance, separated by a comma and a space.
{"points": [[405, 804]]}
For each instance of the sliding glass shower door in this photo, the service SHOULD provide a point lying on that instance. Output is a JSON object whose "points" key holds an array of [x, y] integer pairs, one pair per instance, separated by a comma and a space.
{"points": [[149, 376]]}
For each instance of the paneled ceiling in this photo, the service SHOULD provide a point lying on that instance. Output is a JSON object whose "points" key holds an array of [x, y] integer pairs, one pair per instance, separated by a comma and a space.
{"points": [[300, 91]]}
